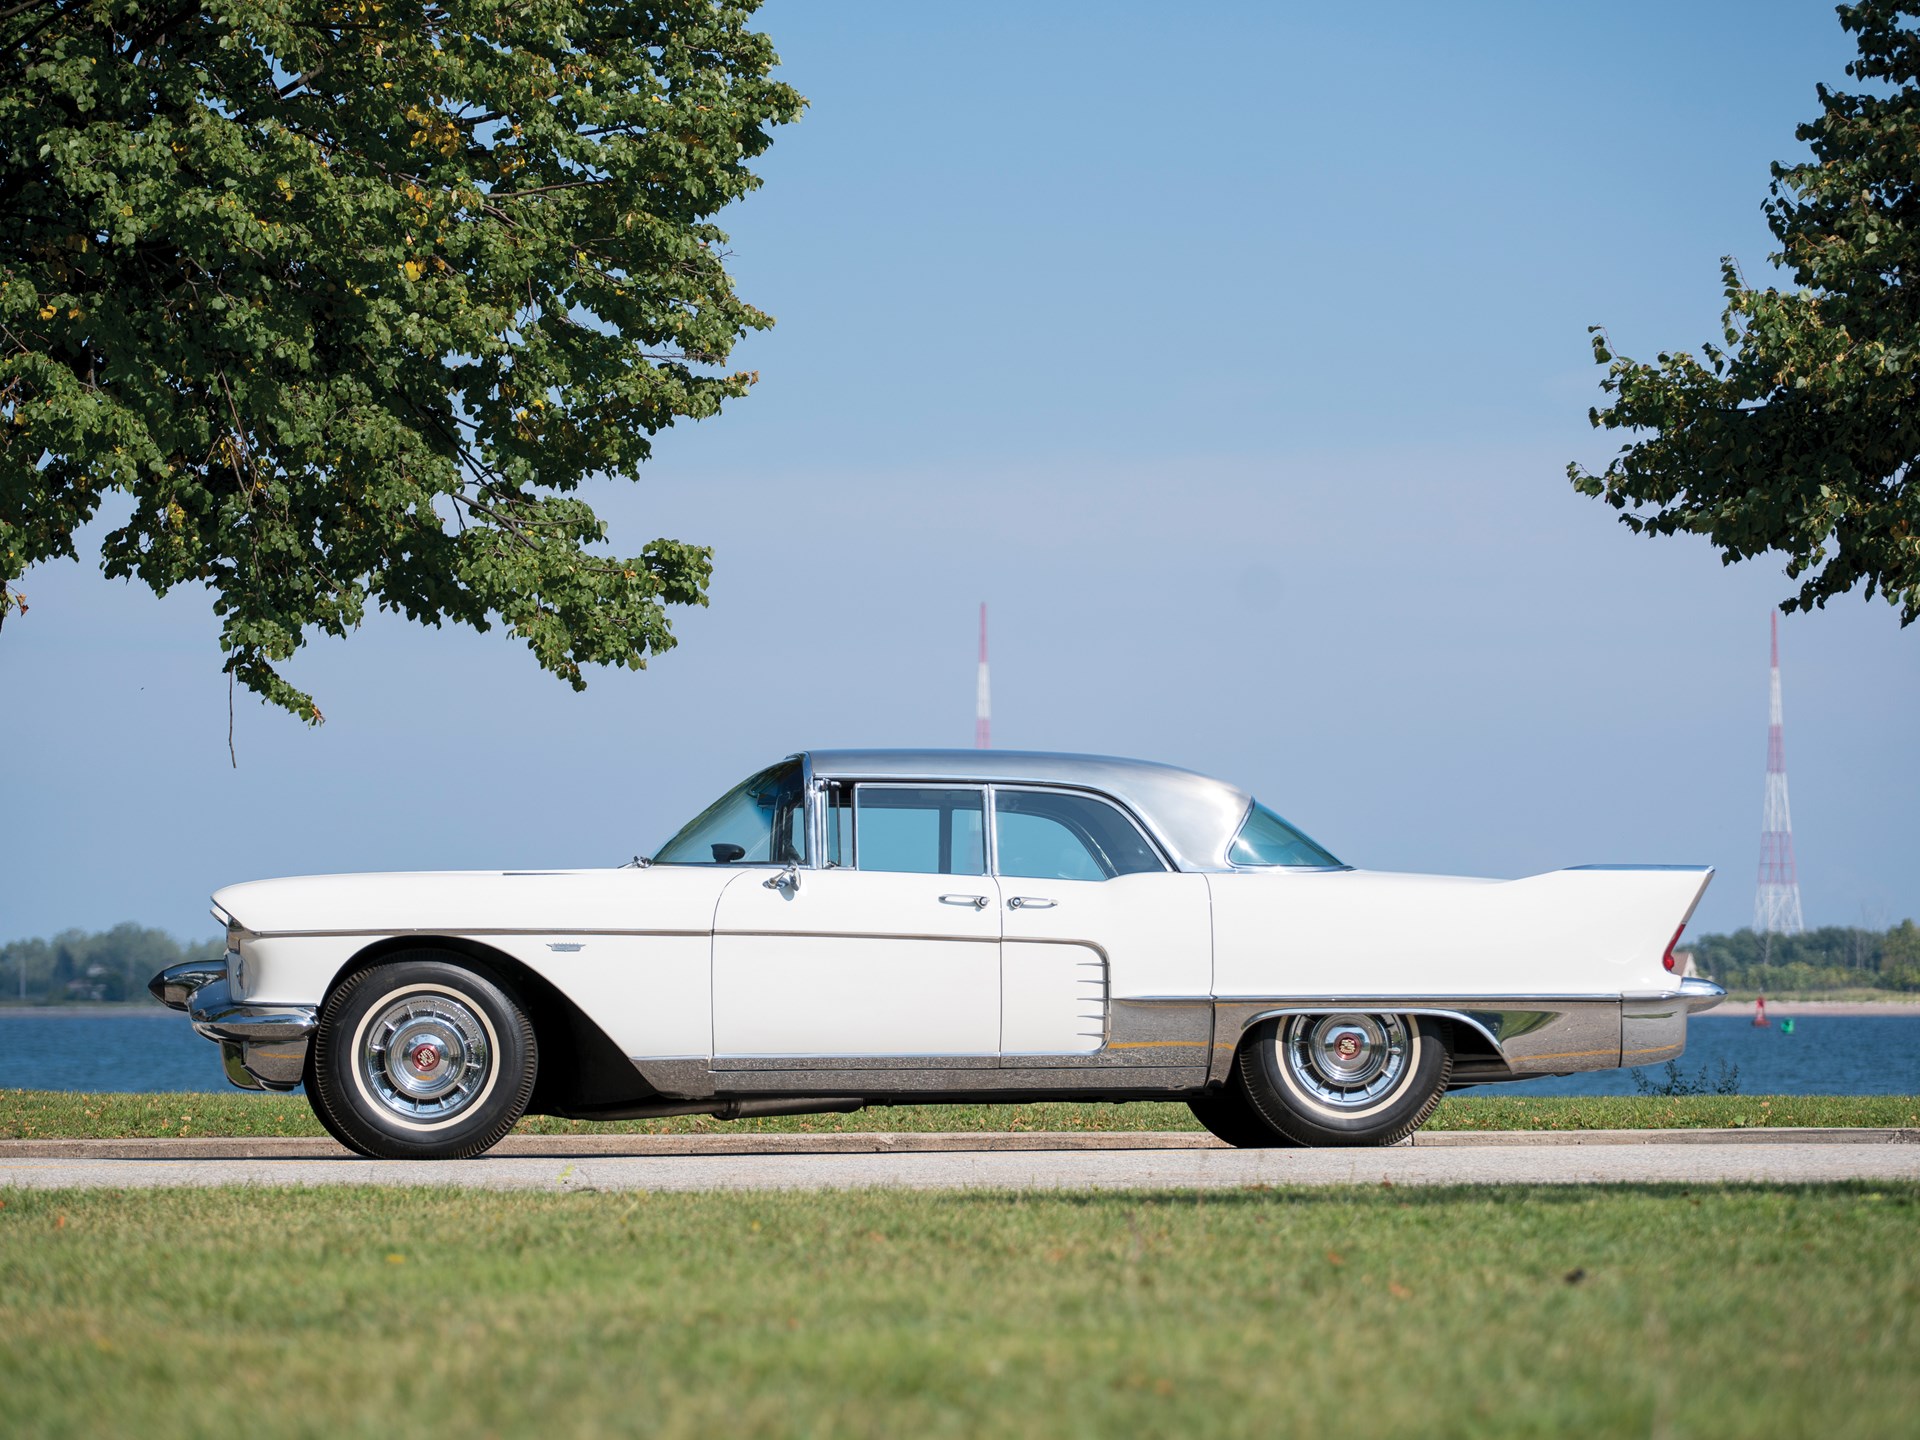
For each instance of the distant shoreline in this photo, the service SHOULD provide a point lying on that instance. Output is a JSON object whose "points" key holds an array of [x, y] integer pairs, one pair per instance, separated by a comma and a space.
{"points": [[1837, 1009], [97, 1007]]}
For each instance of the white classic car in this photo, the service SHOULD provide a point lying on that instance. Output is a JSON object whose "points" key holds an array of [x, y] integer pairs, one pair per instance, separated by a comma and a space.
{"points": [[875, 927]]}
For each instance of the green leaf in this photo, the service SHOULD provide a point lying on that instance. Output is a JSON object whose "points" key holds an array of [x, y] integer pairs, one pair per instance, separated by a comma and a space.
{"points": [[349, 306]]}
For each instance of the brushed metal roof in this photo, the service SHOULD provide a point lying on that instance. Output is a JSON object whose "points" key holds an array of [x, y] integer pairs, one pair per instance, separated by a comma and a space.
{"points": [[1193, 816]]}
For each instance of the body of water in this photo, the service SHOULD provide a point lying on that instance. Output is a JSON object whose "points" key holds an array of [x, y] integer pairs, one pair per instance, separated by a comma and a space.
{"points": [[1825, 1055], [132, 1049]]}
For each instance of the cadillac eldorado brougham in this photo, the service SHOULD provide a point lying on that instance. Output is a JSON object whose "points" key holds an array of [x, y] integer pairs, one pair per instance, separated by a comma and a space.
{"points": [[872, 927]]}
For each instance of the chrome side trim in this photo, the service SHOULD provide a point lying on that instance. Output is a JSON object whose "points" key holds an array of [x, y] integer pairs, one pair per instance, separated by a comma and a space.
{"points": [[799, 934], [1458, 1002], [1698, 869], [451, 933], [802, 1064]]}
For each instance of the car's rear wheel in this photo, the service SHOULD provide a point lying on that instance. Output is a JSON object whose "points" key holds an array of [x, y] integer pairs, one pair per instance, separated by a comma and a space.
{"points": [[1346, 1079], [1227, 1115], [419, 1058]]}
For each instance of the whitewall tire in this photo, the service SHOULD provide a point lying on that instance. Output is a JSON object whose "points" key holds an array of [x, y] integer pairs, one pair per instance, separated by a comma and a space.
{"points": [[421, 1058]]}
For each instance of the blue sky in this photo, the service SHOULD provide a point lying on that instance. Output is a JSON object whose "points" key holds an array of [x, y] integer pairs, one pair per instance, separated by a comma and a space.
{"points": [[1235, 360]]}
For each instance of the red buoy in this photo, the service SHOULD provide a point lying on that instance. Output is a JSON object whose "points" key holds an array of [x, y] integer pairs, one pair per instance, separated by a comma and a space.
{"points": [[1760, 1010]]}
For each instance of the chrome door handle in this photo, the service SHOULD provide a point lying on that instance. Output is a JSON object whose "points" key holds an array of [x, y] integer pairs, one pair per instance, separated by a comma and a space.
{"points": [[979, 902], [1030, 902]]}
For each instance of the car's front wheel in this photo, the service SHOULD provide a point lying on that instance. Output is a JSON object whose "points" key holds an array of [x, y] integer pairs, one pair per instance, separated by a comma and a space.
{"points": [[1346, 1079], [419, 1058]]}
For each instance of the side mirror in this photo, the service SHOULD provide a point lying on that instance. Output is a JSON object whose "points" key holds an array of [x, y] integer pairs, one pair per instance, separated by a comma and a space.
{"points": [[725, 852]]}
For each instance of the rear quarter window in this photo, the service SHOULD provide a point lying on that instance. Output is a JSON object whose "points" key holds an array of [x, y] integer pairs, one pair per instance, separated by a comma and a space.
{"points": [[1267, 840]]}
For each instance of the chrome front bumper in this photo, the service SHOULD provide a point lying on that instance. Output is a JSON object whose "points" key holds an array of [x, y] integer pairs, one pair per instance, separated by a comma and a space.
{"points": [[262, 1047]]}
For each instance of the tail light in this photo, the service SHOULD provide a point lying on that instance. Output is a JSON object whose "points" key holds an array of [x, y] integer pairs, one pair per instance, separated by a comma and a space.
{"points": [[1667, 959]]}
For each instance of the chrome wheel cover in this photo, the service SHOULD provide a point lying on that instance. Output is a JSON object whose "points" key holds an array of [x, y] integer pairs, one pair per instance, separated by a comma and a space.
{"points": [[1345, 1062], [425, 1057]]}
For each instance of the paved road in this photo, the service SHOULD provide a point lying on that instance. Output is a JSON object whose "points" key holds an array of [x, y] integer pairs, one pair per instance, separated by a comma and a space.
{"points": [[1024, 1169]]}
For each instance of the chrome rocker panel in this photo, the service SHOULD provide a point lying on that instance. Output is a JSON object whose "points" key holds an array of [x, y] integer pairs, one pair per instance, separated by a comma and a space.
{"points": [[1177, 1045], [262, 1047]]}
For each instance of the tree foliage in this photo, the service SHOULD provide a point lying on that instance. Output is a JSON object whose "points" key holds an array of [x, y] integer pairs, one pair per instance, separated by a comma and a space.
{"points": [[105, 965], [1833, 957], [1801, 433], [349, 298]]}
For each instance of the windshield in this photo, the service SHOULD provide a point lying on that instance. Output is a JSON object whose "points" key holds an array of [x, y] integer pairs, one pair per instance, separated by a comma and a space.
{"points": [[761, 820], [1266, 839]]}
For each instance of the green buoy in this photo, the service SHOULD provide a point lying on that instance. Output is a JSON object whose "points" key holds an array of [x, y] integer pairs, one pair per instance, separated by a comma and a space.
{"points": [[1786, 1025]]}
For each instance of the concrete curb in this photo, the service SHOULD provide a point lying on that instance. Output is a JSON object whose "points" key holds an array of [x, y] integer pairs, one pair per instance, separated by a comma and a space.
{"points": [[564, 1147]]}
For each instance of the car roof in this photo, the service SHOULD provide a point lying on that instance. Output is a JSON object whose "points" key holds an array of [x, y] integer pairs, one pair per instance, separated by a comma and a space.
{"points": [[1193, 816]]}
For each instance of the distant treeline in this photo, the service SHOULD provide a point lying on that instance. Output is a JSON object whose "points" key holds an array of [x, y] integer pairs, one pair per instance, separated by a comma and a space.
{"points": [[108, 965], [1834, 957]]}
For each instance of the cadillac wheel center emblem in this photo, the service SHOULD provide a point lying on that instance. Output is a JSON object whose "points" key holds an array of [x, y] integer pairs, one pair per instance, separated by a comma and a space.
{"points": [[1347, 1046], [425, 1055]]}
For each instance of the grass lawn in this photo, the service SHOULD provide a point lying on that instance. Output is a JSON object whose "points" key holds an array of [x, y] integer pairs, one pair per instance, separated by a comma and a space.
{"points": [[48, 1114], [1488, 1312]]}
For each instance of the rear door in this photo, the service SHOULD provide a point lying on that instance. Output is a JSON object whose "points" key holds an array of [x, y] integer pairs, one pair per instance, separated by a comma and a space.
{"points": [[1093, 914]]}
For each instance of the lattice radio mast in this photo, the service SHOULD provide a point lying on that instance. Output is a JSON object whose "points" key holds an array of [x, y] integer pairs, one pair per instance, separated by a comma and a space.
{"points": [[982, 710], [1776, 905]]}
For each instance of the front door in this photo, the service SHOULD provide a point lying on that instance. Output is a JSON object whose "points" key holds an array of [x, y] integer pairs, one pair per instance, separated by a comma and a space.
{"points": [[891, 950]]}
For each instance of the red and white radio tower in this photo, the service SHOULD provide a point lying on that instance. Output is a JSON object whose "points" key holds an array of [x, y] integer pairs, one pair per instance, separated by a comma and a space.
{"points": [[1776, 905], [982, 739]]}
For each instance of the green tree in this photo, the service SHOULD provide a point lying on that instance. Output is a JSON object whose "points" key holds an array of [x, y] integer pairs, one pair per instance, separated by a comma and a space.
{"points": [[1900, 959], [108, 965], [347, 299], [1800, 435]]}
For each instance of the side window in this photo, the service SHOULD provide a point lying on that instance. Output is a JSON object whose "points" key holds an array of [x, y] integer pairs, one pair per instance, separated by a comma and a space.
{"points": [[920, 830], [1266, 839], [1051, 835]]}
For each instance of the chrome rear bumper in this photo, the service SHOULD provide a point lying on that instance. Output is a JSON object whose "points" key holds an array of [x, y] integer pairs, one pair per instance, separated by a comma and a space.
{"points": [[262, 1047], [1701, 994], [1653, 1027]]}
